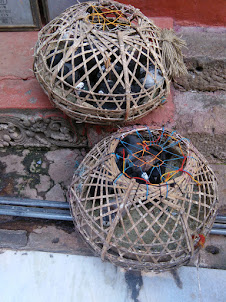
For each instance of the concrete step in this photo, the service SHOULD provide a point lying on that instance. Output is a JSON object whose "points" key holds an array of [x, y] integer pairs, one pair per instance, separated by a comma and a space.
{"points": [[51, 277], [205, 59]]}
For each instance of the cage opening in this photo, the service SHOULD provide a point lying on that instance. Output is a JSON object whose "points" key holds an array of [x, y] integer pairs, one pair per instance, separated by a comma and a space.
{"points": [[150, 161]]}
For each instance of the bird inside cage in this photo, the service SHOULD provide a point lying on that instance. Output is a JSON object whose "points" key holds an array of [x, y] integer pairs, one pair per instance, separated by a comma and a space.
{"points": [[149, 162]]}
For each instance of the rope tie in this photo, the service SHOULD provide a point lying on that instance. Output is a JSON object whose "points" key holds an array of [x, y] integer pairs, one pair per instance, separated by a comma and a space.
{"points": [[172, 57]]}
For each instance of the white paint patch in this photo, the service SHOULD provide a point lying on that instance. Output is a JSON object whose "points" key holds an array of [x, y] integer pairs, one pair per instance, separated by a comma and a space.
{"points": [[44, 277]]}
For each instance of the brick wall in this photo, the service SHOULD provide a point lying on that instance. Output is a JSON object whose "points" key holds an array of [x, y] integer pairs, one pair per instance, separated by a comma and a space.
{"points": [[184, 12]]}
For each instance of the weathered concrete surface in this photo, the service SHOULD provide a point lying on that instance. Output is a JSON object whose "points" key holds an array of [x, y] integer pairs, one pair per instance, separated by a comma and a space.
{"points": [[202, 113], [214, 252], [201, 118], [63, 163], [13, 239], [41, 277], [220, 172], [56, 193], [45, 235], [50, 238], [203, 41], [204, 74], [38, 172], [205, 59], [61, 237]]}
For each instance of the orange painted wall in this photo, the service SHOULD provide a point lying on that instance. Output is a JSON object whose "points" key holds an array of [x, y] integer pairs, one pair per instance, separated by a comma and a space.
{"points": [[184, 12]]}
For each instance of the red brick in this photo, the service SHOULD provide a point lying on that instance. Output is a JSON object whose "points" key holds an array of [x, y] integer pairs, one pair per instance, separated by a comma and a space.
{"points": [[162, 22], [193, 12], [19, 94], [17, 54]]}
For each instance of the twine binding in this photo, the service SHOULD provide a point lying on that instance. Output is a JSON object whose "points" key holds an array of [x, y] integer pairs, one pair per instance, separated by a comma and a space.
{"points": [[171, 53]]}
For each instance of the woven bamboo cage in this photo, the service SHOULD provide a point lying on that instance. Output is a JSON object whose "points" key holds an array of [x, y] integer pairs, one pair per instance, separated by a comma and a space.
{"points": [[144, 220], [102, 62]]}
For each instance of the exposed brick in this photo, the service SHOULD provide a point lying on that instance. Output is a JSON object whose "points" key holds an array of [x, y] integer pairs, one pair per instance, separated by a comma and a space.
{"points": [[186, 12], [163, 22], [160, 116]]}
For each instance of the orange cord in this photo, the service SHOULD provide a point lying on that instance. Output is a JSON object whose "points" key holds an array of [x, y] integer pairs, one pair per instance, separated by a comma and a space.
{"points": [[105, 14], [145, 145]]}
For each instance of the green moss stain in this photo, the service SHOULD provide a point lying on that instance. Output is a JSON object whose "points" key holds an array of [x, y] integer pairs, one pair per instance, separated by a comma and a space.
{"points": [[35, 164]]}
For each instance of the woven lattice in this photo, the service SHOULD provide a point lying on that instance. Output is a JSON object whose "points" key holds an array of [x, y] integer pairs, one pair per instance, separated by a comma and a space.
{"points": [[101, 62], [144, 199]]}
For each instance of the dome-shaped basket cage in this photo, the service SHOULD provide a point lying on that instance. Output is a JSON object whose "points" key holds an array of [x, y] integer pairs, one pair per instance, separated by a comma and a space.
{"points": [[101, 62], [144, 199]]}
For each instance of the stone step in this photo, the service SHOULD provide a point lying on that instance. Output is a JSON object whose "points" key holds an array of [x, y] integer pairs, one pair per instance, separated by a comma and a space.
{"points": [[200, 117], [205, 59]]}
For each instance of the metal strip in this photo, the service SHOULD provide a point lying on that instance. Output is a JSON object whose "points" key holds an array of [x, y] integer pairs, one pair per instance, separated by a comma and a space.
{"points": [[33, 203], [218, 232], [35, 212], [220, 219], [219, 225], [55, 210]]}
